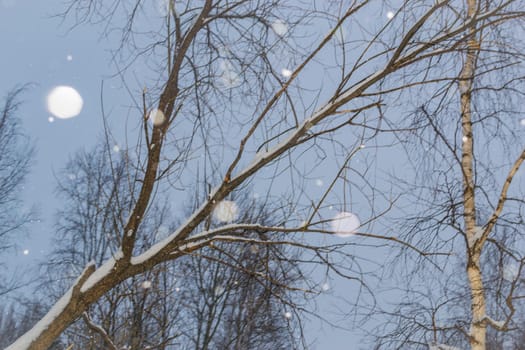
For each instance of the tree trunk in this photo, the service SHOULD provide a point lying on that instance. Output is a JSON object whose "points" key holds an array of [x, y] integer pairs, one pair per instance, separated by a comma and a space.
{"points": [[77, 300], [478, 329]]}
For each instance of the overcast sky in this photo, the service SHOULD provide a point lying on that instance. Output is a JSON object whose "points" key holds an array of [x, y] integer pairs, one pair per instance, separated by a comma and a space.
{"points": [[36, 50]]}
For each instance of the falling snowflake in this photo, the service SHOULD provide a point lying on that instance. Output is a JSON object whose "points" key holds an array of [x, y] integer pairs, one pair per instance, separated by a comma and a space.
{"points": [[157, 117], [390, 15], [280, 27], [345, 224], [254, 249], [229, 76], [116, 149], [146, 284], [510, 272], [319, 182], [218, 291], [225, 211], [26, 251], [286, 73], [325, 287], [478, 233], [230, 79], [69, 57], [288, 315], [51, 119], [64, 102]]}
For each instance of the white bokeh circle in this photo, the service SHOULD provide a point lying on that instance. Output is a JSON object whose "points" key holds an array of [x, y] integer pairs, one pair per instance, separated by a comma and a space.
{"points": [[280, 27], [345, 224], [156, 117], [64, 102], [225, 211]]}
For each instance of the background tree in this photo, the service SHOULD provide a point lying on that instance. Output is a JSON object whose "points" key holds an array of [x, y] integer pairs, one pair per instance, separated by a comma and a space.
{"points": [[95, 188], [468, 195], [17, 318], [230, 296], [15, 158]]}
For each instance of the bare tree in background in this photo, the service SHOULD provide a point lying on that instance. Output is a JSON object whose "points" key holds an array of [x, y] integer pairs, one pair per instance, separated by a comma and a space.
{"points": [[133, 315], [15, 158], [18, 318], [228, 296], [243, 296], [469, 195], [221, 107]]}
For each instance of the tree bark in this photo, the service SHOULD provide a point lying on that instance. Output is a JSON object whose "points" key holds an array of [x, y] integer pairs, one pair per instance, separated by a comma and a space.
{"points": [[478, 327]]}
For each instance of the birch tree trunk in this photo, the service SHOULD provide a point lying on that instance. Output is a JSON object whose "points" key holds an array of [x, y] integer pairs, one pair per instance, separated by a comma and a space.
{"points": [[478, 327]]}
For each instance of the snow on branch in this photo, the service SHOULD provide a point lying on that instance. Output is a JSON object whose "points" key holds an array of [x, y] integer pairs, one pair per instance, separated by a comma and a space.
{"points": [[499, 325], [40, 327], [436, 346], [101, 272], [219, 192]]}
